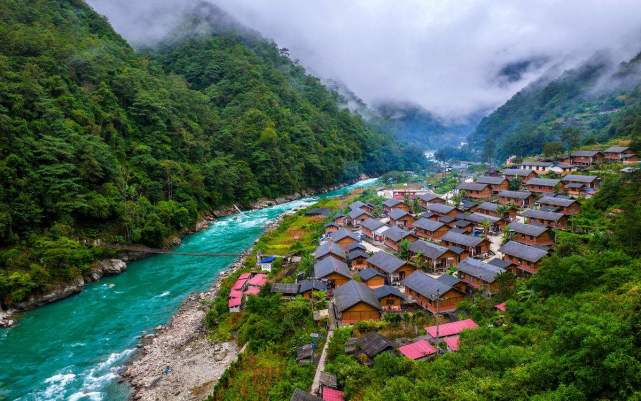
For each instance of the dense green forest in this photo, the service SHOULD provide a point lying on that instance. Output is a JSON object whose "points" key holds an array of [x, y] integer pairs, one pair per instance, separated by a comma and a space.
{"points": [[102, 142], [572, 332], [595, 99]]}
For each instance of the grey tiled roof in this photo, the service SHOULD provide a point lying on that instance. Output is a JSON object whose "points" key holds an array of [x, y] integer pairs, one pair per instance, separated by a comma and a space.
{"points": [[396, 214], [461, 239], [521, 251], [544, 182], [493, 207], [426, 285], [428, 249], [372, 224], [285, 288], [386, 290], [579, 178], [300, 395], [356, 213], [352, 293], [527, 229], [343, 233], [329, 265], [311, 284], [440, 208], [392, 202], [385, 262], [556, 201], [471, 186], [428, 224], [515, 194], [519, 172], [368, 273], [616, 149], [490, 180], [542, 215], [479, 269], [428, 197], [585, 153], [480, 218], [396, 233], [448, 279], [328, 247]]}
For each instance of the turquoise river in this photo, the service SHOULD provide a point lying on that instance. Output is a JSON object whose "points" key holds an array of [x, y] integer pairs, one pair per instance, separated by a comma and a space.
{"points": [[73, 349]]}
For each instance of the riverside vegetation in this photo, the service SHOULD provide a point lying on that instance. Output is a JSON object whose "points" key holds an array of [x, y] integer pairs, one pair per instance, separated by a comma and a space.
{"points": [[101, 142]]}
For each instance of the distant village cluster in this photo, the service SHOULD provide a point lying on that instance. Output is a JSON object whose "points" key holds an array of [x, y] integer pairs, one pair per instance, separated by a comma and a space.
{"points": [[423, 251]]}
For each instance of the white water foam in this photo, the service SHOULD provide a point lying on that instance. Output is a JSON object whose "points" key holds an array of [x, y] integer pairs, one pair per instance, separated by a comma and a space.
{"points": [[56, 386], [164, 294], [81, 395]]}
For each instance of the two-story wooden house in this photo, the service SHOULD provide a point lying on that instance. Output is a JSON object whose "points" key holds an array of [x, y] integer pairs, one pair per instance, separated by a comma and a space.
{"points": [[524, 259], [475, 190], [519, 199], [432, 257], [531, 234], [542, 217], [430, 229], [432, 294], [497, 184], [560, 204], [355, 302], [479, 276], [475, 246], [542, 185], [394, 269]]}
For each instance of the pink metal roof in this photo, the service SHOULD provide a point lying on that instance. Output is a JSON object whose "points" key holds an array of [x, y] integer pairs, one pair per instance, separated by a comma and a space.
{"points": [[502, 307], [451, 329], [452, 343], [330, 394], [258, 280], [238, 285], [233, 302], [417, 350], [252, 291], [244, 276], [235, 294]]}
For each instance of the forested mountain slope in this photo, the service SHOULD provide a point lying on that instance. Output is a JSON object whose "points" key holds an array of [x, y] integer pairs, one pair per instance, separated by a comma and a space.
{"points": [[590, 99], [99, 142]]}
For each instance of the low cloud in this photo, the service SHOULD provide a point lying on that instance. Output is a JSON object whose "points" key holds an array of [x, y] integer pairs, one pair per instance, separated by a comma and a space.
{"points": [[453, 58]]}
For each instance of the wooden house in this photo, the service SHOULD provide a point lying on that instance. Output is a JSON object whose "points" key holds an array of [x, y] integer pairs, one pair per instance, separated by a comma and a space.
{"points": [[401, 218], [439, 209], [369, 227], [435, 258], [430, 229], [370, 345], [329, 248], [372, 277], [475, 246], [395, 235], [524, 259], [393, 268], [390, 204], [589, 181], [333, 270], [331, 228], [586, 157], [432, 294], [518, 174], [480, 220], [479, 276], [475, 190], [550, 219], [390, 298], [564, 168], [497, 184], [368, 207], [307, 287], [531, 234], [357, 259], [340, 220], [542, 185], [562, 205], [357, 216], [429, 198], [355, 302], [462, 226], [518, 199], [344, 238]]}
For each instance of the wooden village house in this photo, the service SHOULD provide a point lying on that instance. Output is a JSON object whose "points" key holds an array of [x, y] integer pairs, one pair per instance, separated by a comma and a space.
{"points": [[474, 246], [395, 235], [394, 269], [432, 294], [435, 258], [559, 204], [531, 234], [475, 190], [542, 217], [332, 270], [355, 302], [542, 185], [519, 199], [524, 259], [497, 184], [479, 276], [430, 229]]}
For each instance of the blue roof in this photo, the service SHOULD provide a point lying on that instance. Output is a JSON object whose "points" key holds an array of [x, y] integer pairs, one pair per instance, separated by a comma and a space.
{"points": [[268, 259]]}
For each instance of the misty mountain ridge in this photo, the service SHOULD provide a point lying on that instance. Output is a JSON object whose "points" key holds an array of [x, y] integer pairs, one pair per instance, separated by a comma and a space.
{"points": [[591, 98]]}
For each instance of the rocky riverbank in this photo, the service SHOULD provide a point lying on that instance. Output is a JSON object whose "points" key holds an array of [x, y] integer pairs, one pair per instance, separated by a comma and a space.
{"points": [[178, 362]]}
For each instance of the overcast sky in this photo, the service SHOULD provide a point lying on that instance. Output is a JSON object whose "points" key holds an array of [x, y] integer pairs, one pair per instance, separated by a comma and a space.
{"points": [[443, 55]]}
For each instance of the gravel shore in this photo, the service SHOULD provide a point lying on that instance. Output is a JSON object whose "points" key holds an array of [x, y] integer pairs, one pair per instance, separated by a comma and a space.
{"points": [[178, 362]]}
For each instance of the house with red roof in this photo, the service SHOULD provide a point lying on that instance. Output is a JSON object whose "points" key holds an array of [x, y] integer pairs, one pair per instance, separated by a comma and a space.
{"points": [[452, 343], [450, 329], [418, 351], [331, 394]]}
